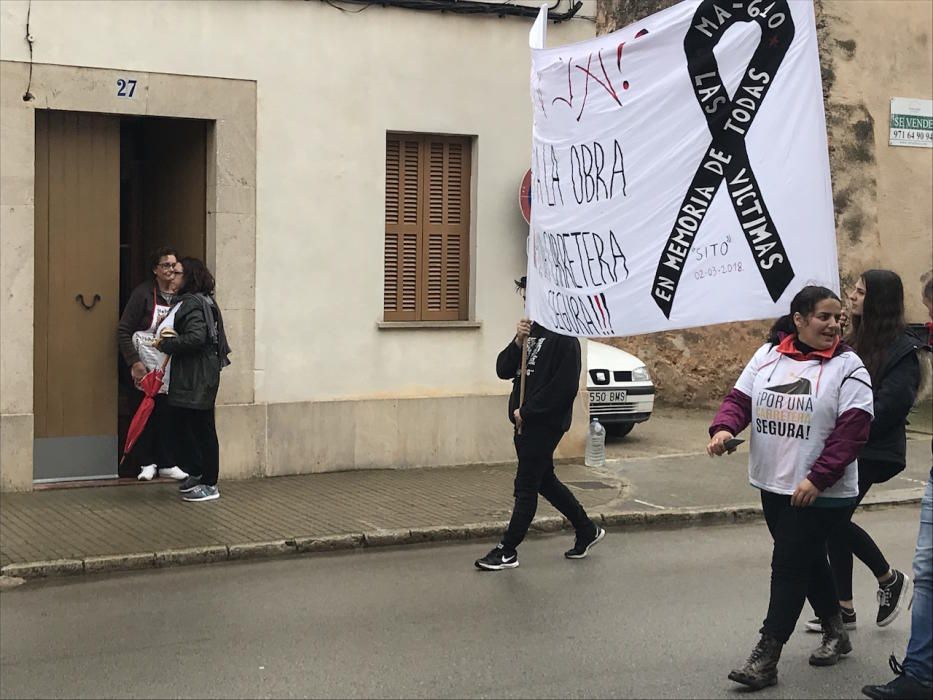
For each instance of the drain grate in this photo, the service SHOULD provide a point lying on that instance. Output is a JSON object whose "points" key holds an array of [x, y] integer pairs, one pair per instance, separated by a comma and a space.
{"points": [[591, 485]]}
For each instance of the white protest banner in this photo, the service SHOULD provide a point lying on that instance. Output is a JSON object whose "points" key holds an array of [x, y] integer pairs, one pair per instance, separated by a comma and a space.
{"points": [[680, 172]]}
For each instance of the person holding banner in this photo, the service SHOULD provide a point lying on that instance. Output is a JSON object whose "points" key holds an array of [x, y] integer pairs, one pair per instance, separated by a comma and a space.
{"points": [[878, 335], [550, 373], [807, 397]]}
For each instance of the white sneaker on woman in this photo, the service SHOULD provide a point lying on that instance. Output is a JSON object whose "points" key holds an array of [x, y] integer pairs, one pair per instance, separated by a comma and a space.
{"points": [[147, 472], [173, 473]]}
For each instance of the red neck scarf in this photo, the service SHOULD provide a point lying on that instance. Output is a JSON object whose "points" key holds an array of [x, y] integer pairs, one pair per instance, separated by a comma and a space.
{"points": [[787, 347]]}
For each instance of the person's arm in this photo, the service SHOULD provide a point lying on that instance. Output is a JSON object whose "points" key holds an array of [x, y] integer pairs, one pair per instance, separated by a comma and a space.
{"points": [[853, 423], [509, 360], [560, 389], [191, 327], [841, 448], [734, 414], [129, 324], [895, 396]]}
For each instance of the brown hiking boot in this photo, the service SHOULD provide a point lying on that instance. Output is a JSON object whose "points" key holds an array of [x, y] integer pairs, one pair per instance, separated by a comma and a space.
{"points": [[835, 642], [760, 670]]}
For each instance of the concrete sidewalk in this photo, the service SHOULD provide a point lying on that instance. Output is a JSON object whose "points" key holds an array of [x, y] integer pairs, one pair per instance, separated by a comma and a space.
{"points": [[658, 476]]}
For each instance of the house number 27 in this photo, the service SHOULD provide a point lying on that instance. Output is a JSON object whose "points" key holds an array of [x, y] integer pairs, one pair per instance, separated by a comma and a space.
{"points": [[125, 88]]}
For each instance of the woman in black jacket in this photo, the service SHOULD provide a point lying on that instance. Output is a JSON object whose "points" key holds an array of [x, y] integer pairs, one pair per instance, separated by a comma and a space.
{"points": [[878, 335], [198, 352], [147, 307]]}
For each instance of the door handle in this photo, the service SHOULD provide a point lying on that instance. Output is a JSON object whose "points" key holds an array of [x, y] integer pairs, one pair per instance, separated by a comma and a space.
{"points": [[88, 307]]}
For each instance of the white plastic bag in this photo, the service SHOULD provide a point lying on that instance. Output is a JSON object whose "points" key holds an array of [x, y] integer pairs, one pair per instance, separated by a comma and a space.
{"points": [[150, 355]]}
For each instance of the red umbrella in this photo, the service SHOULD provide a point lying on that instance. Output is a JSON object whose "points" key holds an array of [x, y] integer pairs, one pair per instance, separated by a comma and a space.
{"points": [[150, 384]]}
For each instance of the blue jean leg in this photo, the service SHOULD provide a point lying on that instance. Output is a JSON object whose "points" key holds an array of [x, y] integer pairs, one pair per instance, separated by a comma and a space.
{"points": [[919, 661]]}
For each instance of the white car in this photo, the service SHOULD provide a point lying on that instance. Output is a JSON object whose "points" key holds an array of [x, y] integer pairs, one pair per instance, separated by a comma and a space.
{"points": [[620, 388]]}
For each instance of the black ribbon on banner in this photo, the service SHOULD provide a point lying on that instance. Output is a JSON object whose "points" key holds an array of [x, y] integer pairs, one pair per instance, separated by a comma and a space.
{"points": [[726, 160]]}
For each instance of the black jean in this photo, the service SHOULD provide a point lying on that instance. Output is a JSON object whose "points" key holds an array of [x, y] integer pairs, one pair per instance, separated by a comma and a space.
{"points": [[154, 445], [853, 539], [196, 443], [799, 568], [535, 449]]}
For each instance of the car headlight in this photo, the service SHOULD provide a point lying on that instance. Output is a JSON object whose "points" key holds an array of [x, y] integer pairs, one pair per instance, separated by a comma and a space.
{"points": [[640, 374]]}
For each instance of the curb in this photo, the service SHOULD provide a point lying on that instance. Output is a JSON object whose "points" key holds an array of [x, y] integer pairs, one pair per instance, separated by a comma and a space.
{"points": [[7, 582], [654, 520]]}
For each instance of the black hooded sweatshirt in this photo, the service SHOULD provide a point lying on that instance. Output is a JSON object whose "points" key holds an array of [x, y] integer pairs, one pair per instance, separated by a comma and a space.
{"points": [[894, 395], [552, 378]]}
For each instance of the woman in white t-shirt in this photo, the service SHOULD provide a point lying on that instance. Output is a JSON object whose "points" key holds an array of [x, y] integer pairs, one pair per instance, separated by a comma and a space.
{"points": [[807, 397]]}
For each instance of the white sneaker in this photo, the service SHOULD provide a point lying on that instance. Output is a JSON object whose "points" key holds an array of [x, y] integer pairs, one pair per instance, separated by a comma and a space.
{"points": [[147, 472], [173, 473]]}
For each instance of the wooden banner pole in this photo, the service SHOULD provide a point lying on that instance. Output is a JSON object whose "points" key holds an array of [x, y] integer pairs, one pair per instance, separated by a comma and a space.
{"points": [[521, 386]]}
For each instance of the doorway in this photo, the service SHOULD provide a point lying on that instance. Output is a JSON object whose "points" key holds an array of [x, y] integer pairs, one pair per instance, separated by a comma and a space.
{"points": [[162, 203], [109, 190]]}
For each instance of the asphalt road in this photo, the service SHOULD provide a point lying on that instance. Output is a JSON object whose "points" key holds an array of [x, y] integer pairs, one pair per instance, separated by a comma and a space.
{"points": [[649, 614]]}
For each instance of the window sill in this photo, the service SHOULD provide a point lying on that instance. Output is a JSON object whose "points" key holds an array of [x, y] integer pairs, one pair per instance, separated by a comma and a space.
{"points": [[428, 325]]}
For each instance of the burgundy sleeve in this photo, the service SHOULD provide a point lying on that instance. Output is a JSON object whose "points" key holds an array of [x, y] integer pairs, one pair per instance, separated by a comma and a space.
{"points": [[841, 448], [734, 414]]}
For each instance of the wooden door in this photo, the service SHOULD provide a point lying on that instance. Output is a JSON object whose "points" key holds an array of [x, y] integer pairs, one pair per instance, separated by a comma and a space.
{"points": [[77, 223]]}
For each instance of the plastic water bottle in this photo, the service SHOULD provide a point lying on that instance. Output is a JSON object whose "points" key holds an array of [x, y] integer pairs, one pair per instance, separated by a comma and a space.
{"points": [[595, 444]]}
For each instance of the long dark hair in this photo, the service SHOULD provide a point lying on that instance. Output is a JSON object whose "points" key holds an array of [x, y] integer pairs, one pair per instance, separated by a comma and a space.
{"points": [[198, 279], [882, 319], [803, 303]]}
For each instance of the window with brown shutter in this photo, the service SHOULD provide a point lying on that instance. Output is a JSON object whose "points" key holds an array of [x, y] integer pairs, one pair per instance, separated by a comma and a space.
{"points": [[427, 224]]}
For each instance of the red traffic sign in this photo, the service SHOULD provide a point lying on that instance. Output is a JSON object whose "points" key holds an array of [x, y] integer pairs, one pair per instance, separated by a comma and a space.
{"points": [[524, 197]]}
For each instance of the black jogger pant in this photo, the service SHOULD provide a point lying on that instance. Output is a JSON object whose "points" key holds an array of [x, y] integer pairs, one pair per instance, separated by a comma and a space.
{"points": [[535, 449], [196, 443], [854, 540], [799, 567]]}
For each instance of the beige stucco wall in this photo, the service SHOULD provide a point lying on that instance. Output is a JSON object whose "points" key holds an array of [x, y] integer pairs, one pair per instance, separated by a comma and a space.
{"points": [[304, 295], [870, 51], [329, 87]]}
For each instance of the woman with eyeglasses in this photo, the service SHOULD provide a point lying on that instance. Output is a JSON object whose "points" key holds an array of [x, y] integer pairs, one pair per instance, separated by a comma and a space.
{"points": [[147, 307]]}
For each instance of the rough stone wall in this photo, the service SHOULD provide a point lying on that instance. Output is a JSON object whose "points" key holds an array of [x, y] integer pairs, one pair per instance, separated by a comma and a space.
{"points": [[872, 51], [698, 366], [615, 14], [850, 130]]}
